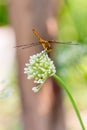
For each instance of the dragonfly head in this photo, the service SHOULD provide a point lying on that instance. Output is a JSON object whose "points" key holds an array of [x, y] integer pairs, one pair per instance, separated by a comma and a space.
{"points": [[48, 50]]}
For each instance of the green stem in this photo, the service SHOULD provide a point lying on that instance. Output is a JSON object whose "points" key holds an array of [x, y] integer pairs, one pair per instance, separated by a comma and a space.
{"points": [[64, 86]]}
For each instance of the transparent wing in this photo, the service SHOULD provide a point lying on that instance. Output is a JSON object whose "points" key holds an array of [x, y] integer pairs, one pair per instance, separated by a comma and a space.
{"points": [[64, 42], [23, 46]]}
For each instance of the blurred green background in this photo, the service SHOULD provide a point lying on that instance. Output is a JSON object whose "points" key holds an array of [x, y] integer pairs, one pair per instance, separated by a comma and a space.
{"points": [[71, 62], [4, 20]]}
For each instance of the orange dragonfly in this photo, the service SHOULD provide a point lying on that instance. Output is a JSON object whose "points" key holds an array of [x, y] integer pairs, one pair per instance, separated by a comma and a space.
{"points": [[45, 43]]}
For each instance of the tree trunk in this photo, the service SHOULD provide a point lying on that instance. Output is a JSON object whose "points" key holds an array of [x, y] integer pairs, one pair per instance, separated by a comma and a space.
{"points": [[42, 110]]}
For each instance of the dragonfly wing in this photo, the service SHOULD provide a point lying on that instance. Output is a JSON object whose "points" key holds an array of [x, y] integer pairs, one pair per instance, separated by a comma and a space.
{"points": [[23, 46], [64, 42]]}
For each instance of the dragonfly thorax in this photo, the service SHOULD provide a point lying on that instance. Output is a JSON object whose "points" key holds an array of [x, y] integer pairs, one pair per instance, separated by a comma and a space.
{"points": [[46, 45]]}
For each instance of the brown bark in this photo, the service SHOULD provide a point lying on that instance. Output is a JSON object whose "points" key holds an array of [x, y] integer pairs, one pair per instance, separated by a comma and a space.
{"points": [[42, 110]]}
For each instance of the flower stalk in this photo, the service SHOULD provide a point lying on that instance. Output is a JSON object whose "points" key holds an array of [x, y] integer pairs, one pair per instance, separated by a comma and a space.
{"points": [[64, 86]]}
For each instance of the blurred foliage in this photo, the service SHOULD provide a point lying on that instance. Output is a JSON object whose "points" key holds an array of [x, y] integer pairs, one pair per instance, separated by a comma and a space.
{"points": [[72, 20], [10, 105], [3, 13], [72, 59]]}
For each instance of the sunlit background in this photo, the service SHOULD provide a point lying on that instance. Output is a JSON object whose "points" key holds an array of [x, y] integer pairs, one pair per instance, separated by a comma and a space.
{"points": [[71, 61]]}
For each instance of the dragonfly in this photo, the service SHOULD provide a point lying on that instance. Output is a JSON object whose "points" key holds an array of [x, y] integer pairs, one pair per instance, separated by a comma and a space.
{"points": [[45, 43]]}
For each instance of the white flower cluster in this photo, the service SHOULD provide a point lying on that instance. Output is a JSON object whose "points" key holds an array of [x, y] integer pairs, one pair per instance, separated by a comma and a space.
{"points": [[40, 67]]}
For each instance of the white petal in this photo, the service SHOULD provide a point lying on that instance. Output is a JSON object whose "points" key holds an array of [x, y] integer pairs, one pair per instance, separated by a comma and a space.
{"points": [[35, 89]]}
